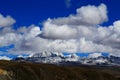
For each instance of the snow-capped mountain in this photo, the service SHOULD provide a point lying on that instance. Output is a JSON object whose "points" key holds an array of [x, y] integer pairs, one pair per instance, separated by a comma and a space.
{"points": [[72, 57], [48, 54], [52, 57], [57, 57], [95, 61]]}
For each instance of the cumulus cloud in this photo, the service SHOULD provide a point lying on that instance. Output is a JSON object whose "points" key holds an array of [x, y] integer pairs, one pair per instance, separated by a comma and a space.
{"points": [[86, 15], [53, 31], [6, 21], [39, 45], [112, 35], [9, 38], [92, 14], [76, 33], [95, 55], [4, 58]]}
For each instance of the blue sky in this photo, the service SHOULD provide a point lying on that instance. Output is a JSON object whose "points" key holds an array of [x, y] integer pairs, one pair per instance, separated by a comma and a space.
{"points": [[27, 12]]}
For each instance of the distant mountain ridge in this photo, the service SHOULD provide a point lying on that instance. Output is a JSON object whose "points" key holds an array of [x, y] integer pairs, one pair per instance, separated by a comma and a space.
{"points": [[59, 58]]}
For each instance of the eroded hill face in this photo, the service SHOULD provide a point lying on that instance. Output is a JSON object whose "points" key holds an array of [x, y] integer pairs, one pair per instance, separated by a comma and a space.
{"points": [[5, 75], [32, 71]]}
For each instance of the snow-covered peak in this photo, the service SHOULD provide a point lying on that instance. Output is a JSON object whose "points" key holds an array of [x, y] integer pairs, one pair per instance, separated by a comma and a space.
{"points": [[31, 55], [58, 54], [47, 54], [74, 56], [101, 61], [19, 56]]}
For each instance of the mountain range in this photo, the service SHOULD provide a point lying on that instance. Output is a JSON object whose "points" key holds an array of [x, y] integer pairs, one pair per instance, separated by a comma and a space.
{"points": [[57, 66], [71, 59]]}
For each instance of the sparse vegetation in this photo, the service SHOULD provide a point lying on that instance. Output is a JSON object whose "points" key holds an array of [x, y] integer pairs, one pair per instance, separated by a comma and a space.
{"points": [[34, 71]]}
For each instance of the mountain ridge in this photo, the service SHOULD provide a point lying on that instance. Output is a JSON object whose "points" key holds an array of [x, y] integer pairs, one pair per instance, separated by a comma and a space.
{"points": [[59, 58]]}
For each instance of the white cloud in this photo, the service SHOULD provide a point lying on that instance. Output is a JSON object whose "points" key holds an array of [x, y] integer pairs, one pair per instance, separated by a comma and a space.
{"points": [[95, 55], [53, 31], [86, 15], [63, 45], [92, 14], [110, 35], [75, 33], [4, 58], [91, 47], [6, 21], [39, 45], [9, 38]]}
